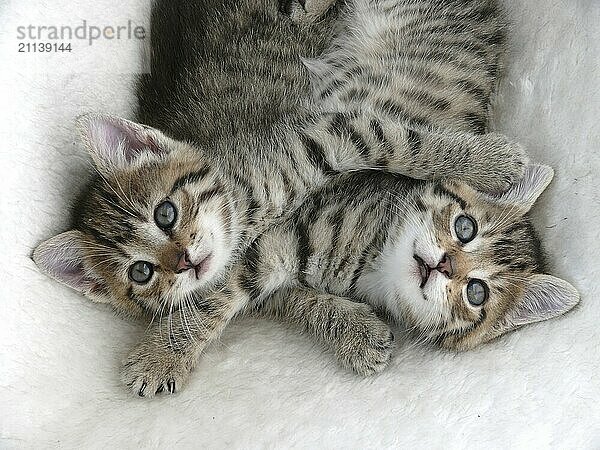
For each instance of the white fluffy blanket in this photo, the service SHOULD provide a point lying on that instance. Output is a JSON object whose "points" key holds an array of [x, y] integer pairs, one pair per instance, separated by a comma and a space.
{"points": [[263, 385]]}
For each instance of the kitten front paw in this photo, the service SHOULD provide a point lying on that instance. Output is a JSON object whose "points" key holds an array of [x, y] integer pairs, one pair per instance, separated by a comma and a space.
{"points": [[501, 163], [367, 343], [152, 368]]}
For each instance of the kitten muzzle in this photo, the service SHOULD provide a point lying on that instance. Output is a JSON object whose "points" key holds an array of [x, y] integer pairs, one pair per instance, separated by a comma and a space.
{"points": [[424, 270], [202, 267]]}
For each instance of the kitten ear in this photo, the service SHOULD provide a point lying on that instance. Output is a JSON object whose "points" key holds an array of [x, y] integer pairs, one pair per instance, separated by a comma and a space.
{"points": [[545, 297], [114, 143], [525, 192], [61, 257]]}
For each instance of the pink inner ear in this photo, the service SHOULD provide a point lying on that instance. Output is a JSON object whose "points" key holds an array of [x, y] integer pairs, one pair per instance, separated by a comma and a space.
{"points": [[115, 142], [74, 276], [61, 258], [65, 265], [135, 141]]}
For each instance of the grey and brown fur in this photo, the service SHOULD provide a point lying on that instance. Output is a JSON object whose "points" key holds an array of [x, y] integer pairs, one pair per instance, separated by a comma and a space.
{"points": [[237, 143]]}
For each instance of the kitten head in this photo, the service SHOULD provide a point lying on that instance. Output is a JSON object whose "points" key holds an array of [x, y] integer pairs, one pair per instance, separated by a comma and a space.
{"points": [[155, 225], [476, 267]]}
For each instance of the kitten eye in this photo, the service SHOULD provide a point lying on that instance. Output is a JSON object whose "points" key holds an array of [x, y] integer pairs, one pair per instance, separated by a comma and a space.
{"points": [[165, 215], [477, 292], [141, 272], [465, 228]]}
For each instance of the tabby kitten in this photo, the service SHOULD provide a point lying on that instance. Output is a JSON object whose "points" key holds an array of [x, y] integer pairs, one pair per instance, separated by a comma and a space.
{"points": [[457, 266], [171, 211]]}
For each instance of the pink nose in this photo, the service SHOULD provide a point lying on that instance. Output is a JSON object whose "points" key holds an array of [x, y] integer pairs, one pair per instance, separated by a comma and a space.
{"points": [[184, 263], [445, 266]]}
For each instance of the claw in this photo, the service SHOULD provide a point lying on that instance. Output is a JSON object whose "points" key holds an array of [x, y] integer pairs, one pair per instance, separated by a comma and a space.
{"points": [[142, 389], [171, 386], [160, 389]]}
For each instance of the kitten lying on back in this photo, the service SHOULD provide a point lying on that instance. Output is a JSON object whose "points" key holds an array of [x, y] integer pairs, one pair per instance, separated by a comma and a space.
{"points": [[166, 219], [456, 265]]}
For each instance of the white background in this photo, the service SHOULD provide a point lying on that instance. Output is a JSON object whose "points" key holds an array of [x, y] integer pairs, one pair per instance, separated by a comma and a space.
{"points": [[264, 385]]}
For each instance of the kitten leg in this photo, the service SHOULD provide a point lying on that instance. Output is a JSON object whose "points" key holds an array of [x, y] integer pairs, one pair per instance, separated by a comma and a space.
{"points": [[359, 339], [171, 349], [342, 142]]}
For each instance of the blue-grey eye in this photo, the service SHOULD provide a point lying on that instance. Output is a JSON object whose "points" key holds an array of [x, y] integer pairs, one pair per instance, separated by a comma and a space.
{"points": [[165, 215], [465, 228], [477, 292], [141, 272]]}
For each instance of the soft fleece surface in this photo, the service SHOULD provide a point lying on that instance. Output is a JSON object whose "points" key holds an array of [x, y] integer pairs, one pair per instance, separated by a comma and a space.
{"points": [[264, 385]]}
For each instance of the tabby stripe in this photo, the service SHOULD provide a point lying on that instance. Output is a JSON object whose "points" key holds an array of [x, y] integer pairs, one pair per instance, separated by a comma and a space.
{"points": [[394, 109], [340, 127], [355, 94], [476, 91], [341, 266], [414, 142], [196, 210], [518, 265], [426, 99], [447, 41], [209, 194], [250, 277], [209, 307], [290, 191], [253, 204], [126, 229], [377, 130], [316, 154], [458, 333], [358, 270], [331, 87], [192, 177], [494, 38], [359, 142], [285, 7], [419, 205], [439, 56], [338, 124], [372, 250], [332, 323], [439, 190], [267, 191], [335, 220], [481, 318], [513, 228], [476, 122], [360, 225], [101, 238]]}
